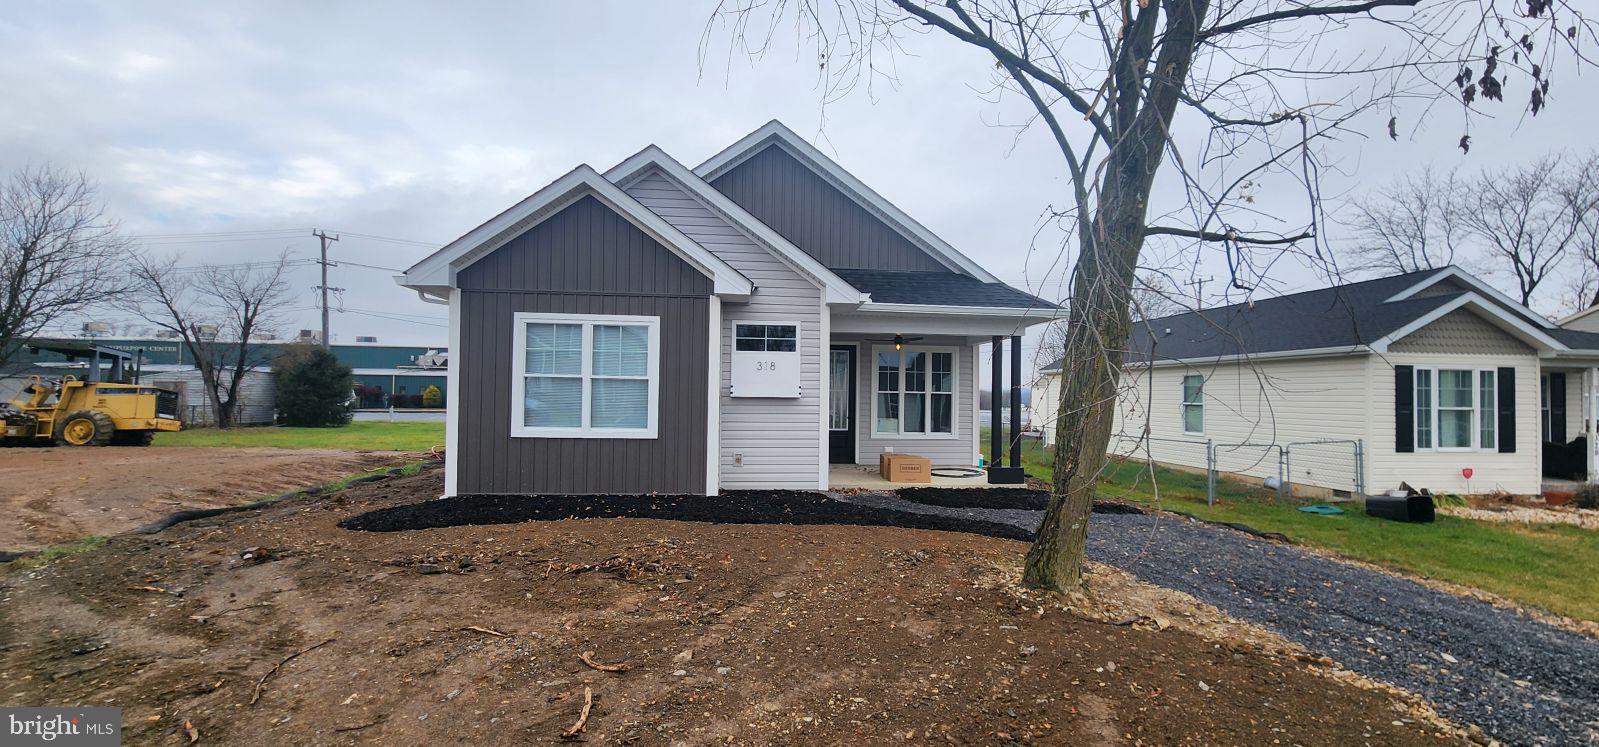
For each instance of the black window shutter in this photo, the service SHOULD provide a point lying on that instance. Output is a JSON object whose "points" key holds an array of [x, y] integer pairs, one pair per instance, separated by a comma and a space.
{"points": [[1404, 409], [1506, 379], [1557, 407]]}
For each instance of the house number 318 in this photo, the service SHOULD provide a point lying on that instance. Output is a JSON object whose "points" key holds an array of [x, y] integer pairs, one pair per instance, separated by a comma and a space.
{"points": [[766, 365]]}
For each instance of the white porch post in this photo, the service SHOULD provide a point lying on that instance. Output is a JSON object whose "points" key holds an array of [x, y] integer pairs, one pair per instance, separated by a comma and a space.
{"points": [[1590, 378]]}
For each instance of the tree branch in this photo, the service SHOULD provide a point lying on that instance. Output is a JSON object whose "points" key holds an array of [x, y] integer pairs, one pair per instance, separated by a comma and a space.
{"points": [[1232, 236], [1006, 56], [1303, 12]]}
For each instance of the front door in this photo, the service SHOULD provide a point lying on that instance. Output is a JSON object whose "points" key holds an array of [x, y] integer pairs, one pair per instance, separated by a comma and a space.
{"points": [[841, 404]]}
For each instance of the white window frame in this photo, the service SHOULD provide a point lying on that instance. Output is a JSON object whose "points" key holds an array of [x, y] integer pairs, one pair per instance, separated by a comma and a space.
{"points": [[1477, 413], [1184, 404], [519, 375], [954, 392]]}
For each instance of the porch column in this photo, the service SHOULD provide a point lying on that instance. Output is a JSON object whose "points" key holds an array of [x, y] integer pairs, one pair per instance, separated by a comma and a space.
{"points": [[996, 429], [1590, 410], [997, 474], [1016, 401]]}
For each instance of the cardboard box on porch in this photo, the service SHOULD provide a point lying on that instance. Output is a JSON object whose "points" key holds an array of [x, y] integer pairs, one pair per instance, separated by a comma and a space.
{"points": [[906, 468]]}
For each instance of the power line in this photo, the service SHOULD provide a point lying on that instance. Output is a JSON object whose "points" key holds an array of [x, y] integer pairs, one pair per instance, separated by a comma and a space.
{"points": [[391, 239]]}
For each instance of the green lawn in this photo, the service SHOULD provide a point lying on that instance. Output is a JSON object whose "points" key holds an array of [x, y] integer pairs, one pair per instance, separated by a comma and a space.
{"points": [[379, 436], [1543, 566]]}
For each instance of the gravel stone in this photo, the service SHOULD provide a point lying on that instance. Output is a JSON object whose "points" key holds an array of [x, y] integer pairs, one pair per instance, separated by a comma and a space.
{"points": [[1468, 657]]}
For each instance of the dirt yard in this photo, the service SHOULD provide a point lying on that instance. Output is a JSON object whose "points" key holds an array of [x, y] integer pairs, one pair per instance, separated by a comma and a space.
{"points": [[55, 495], [278, 627]]}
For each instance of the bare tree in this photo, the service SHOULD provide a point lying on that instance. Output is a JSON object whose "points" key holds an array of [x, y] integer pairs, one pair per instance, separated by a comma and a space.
{"points": [[58, 252], [1527, 218], [1270, 81], [216, 311], [1580, 188], [1409, 224]]}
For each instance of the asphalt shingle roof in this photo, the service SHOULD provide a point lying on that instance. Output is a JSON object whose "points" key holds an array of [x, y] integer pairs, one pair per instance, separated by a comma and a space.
{"points": [[937, 289], [1340, 316]]}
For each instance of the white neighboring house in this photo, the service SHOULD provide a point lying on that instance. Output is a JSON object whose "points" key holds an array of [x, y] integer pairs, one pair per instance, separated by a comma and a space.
{"points": [[1434, 374]]}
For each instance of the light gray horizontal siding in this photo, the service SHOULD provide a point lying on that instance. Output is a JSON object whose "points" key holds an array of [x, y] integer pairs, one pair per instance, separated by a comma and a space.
{"points": [[779, 440]]}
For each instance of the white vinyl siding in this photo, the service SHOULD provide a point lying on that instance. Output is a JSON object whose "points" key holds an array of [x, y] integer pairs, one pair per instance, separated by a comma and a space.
{"points": [[765, 442], [1268, 401]]}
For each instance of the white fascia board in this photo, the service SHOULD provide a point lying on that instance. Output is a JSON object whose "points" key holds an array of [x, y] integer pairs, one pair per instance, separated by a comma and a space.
{"points": [[775, 132], [1494, 313], [630, 170], [928, 324], [441, 267], [1579, 315], [1332, 352], [1471, 281], [1031, 312]]}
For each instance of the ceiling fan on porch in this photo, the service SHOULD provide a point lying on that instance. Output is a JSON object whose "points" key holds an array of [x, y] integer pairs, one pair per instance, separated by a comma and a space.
{"points": [[899, 341]]}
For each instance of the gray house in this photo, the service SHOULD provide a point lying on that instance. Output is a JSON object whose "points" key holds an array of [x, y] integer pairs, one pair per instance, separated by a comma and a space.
{"points": [[743, 324]]}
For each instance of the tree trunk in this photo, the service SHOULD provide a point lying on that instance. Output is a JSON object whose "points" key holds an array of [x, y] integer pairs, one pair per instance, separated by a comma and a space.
{"points": [[1096, 340], [1098, 322]]}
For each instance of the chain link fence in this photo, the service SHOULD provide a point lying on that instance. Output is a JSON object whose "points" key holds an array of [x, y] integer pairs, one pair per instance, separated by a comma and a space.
{"points": [[1338, 466]]}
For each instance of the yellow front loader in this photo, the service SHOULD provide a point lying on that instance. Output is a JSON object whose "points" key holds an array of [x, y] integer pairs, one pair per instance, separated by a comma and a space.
{"points": [[86, 411]]}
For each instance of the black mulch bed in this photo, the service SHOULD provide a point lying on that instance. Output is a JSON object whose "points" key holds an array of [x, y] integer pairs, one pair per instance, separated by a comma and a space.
{"points": [[731, 507], [1008, 498]]}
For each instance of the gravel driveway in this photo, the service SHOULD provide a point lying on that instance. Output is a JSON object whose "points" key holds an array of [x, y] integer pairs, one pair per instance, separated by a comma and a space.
{"points": [[1521, 680]]}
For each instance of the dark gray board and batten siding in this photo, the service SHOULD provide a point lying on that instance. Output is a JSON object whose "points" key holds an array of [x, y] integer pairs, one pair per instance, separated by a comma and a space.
{"points": [[585, 259], [815, 216]]}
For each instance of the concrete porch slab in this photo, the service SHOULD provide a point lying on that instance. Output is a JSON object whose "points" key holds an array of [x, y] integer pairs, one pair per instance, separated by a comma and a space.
{"points": [[863, 477]]}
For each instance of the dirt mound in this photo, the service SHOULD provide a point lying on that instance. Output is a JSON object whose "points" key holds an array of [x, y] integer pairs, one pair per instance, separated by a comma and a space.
{"points": [[278, 627], [731, 507], [51, 496]]}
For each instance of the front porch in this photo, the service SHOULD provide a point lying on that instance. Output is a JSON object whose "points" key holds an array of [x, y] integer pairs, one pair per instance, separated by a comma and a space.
{"points": [[1567, 419]]}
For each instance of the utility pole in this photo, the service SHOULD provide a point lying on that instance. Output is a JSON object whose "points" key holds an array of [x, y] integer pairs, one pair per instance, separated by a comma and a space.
{"points": [[1199, 291], [323, 235]]}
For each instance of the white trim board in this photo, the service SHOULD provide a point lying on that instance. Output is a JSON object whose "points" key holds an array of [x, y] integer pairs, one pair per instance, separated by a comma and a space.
{"points": [[440, 268], [639, 164], [713, 408], [775, 133], [452, 401], [1455, 273]]}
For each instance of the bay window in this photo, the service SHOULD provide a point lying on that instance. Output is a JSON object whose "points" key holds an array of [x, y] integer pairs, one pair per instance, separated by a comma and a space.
{"points": [[913, 392], [1456, 409], [585, 376]]}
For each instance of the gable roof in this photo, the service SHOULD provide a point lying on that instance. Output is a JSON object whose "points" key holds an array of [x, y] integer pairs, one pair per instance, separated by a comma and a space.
{"points": [[775, 134], [437, 270], [639, 164], [1354, 317], [942, 288]]}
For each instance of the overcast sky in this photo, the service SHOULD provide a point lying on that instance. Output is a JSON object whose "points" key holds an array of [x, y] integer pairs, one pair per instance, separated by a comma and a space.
{"points": [[417, 122]]}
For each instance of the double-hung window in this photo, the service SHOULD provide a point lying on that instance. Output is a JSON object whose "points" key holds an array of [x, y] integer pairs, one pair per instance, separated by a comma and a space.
{"points": [[585, 376], [914, 392], [1456, 409], [1193, 404]]}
